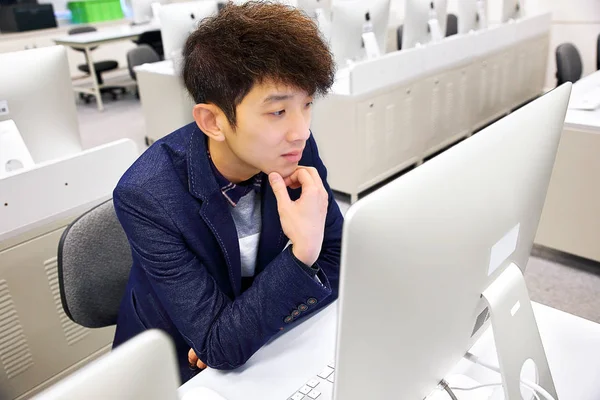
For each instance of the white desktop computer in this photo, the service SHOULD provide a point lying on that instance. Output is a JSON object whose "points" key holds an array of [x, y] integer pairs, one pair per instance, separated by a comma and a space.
{"points": [[472, 15], [36, 94], [428, 259], [358, 29], [14, 155], [424, 21], [142, 10], [143, 368], [511, 10], [313, 7], [178, 20]]}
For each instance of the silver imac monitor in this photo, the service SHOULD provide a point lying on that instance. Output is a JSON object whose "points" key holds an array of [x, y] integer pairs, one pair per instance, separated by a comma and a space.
{"points": [[415, 30], [418, 253], [349, 20], [37, 94], [145, 367], [311, 7], [511, 9], [178, 20]]}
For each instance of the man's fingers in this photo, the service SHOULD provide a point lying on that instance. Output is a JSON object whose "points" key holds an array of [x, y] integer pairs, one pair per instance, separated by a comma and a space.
{"points": [[192, 357], [279, 188], [201, 365], [305, 178], [315, 175]]}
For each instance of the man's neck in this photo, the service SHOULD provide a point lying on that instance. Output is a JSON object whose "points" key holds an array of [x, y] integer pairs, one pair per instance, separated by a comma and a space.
{"points": [[228, 164]]}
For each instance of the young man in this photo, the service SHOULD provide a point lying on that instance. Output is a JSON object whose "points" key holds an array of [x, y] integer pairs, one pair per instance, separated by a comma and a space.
{"points": [[234, 231]]}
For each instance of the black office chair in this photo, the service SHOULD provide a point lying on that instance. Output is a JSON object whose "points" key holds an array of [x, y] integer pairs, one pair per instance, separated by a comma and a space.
{"points": [[568, 64], [94, 260], [100, 67], [399, 37], [154, 40], [598, 53], [140, 55], [451, 25]]}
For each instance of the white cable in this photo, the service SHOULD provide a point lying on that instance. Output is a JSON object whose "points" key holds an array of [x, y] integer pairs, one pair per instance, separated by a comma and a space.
{"points": [[531, 385], [492, 385]]}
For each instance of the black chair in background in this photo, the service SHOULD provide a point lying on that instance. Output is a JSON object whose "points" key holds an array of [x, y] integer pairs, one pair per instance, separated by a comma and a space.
{"points": [[99, 66], [154, 40], [451, 25], [568, 64]]}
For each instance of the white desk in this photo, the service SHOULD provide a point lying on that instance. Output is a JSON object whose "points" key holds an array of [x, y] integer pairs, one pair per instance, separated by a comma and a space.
{"points": [[288, 361], [86, 41], [571, 218]]}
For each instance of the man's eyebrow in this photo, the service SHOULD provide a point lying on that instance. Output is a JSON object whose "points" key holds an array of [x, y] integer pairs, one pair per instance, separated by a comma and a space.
{"points": [[277, 97]]}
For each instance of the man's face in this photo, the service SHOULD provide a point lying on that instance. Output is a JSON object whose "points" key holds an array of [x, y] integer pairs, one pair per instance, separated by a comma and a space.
{"points": [[273, 124]]}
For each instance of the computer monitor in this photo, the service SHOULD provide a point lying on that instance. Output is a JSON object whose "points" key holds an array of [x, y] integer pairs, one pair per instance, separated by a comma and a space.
{"points": [[511, 9], [424, 21], [311, 7], [349, 20], [141, 10], [145, 367], [472, 15], [178, 20], [14, 155], [418, 253], [37, 94]]}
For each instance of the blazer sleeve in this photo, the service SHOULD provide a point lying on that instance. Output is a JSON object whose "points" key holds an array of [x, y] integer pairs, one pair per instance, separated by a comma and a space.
{"points": [[224, 333]]}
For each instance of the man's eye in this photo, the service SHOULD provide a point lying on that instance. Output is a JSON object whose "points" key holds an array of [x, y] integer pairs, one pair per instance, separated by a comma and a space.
{"points": [[309, 104], [278, 113]]}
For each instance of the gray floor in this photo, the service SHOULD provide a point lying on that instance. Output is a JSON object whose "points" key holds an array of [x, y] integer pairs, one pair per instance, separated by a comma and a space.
{"points": [[565, 283]]}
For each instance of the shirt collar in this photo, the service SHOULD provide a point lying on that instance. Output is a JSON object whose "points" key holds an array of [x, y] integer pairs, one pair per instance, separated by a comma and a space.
{"points": [[233, 192]]}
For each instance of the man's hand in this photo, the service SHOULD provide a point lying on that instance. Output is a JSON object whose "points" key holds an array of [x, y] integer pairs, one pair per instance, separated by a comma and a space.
{"points": [[303, 220], [194, 360]]}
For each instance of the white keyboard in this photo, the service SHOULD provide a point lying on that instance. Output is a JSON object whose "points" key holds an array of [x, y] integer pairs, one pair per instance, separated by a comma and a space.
{"points": [[320, 387]]}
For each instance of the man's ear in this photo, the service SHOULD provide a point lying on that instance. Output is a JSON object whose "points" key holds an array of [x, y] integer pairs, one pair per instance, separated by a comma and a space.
{"points": [[208, 117]]}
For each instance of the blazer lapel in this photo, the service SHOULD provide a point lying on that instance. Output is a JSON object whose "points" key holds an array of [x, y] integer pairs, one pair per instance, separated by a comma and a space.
{"points": [[213, 209]]}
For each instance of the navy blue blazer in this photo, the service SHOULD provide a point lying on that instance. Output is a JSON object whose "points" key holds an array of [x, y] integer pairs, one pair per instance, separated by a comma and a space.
{"points": [[186, 272]]}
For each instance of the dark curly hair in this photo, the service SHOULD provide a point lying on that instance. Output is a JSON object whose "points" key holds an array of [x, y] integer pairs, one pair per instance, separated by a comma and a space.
{"points": [[248, 44]]}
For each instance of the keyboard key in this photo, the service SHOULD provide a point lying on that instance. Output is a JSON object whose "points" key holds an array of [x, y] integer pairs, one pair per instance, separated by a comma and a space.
{"points": [[314, 394], [297, 396], [313, 383], [331, 364], [326, 372], [305, 389], [330, 378]]}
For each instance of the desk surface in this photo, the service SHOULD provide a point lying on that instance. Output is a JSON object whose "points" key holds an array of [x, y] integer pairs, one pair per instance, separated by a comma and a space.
{"points": [[109, 34], [581, 119], [572, 346]]}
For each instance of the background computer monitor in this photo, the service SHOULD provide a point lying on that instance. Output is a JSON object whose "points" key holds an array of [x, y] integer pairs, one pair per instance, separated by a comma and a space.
{"points": [[348, 18], [433, 241], [141, 10], [311, 6], [178, 20], [35, 87], [511, 9], [143, 368], [467, 16], [415, 28]]}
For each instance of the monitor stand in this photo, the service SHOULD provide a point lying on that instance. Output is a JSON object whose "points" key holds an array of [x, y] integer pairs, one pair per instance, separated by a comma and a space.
{"points": [[516, 333], [481, 14], [371, 47], [435, 30]]}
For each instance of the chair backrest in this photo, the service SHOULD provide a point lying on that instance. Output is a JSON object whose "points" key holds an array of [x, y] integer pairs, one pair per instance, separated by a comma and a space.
{"points": [[451, 25], [598, 53], [82, 29], [94, 260], [154, 40], [568, 64], [140, 55], [399, 37]]}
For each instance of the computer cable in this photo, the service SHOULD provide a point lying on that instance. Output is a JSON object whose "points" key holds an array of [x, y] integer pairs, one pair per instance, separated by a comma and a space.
{"points": [[448, 390], [532, 385], [532, 390]]}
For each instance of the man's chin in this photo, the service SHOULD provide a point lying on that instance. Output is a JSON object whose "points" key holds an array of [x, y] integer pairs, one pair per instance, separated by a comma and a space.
{"points": [[285, 171]]}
